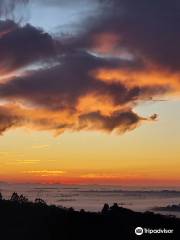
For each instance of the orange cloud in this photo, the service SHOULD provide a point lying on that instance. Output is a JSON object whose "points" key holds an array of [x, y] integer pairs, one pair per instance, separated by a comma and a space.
{"points": [[101, 117], [145, 78], [79, 89]]}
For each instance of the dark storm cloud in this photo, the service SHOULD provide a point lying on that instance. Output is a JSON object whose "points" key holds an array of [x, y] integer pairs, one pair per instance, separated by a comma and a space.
{"points": [[62, 86], [59, 88], [23, 45], [56, 97], [121, 121], [7, 26], [12, 117], [148, 29]]}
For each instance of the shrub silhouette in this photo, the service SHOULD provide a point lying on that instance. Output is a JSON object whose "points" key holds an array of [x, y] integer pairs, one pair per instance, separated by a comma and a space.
{"points": [[1, 197], [40, 201]]}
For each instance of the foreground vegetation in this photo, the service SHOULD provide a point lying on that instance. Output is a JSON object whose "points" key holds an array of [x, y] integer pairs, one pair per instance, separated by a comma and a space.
{"points": [[24, 220]]}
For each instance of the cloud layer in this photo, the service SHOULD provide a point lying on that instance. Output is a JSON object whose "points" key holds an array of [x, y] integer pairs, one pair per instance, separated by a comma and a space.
{"points": [[94, 79]]}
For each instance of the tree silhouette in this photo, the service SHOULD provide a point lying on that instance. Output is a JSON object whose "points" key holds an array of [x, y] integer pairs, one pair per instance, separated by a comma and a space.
{"points": [[35, 221], [20, 199], [114, 208], [23, 199], [82, 211], [105, 209], [15, 197], [1, 197], [71, 209]]}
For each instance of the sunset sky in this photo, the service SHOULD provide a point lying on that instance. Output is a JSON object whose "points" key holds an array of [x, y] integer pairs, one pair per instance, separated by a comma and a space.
{"points": [[90, 91]]}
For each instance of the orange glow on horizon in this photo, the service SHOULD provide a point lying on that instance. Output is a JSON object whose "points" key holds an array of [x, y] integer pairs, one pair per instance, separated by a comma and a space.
{"points": [[141, 181], [85, 177]]}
